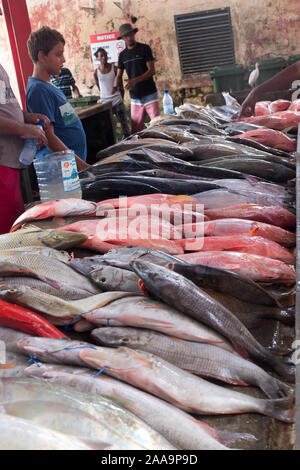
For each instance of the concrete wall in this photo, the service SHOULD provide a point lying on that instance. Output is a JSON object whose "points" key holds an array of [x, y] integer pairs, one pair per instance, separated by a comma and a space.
{"points": [[261, 28]]}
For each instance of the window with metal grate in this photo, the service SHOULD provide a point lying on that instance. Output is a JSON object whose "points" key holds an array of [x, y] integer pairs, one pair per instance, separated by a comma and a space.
{"points": [[204, 40]]}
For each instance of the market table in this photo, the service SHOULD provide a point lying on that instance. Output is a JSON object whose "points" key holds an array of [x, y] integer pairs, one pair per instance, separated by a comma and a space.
{"points": [[98, 126]]}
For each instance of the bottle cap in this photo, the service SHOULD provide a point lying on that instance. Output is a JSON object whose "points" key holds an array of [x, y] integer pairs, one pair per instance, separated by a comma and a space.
{"points": [[41, 122], [166, 91]]}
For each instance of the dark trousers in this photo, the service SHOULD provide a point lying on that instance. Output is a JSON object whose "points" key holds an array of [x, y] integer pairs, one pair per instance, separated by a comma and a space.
{"points": [[120, 112]]}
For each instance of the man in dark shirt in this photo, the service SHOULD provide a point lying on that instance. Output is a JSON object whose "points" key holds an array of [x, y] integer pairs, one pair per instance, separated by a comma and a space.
{"points": [[64, 82], [138, 61]]}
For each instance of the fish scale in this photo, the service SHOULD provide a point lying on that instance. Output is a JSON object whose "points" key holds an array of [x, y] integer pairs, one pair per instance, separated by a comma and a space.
{"points": [[55, 270]]}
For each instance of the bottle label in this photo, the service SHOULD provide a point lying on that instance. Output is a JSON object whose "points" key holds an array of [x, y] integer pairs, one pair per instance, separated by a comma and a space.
{"points": [[70, 175], [168, 109]]}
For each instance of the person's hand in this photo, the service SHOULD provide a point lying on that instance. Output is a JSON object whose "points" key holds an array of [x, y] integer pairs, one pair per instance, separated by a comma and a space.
{"points": [[113, 90], [78, 95], [248, 105], [31, 131], [130, 83], [34, 118]]}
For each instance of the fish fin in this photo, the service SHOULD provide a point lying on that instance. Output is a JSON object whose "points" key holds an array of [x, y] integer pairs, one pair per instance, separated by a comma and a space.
{"points": [[281, 409], [9, 365], [142, 288], [254, 231]]}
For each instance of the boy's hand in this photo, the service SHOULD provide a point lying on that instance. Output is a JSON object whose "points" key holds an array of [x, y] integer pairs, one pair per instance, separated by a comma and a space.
{"points": [[31, 131], [113, 90], [34, 118]]}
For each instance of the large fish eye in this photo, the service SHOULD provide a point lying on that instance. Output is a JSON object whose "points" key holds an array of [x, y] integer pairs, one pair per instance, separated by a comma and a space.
{"points": [[125, 340], [103, 279]]}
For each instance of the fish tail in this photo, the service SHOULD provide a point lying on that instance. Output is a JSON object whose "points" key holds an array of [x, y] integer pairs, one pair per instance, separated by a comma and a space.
{"points": [[274, 388], [226, 437], [281, 409], [283, 368]]}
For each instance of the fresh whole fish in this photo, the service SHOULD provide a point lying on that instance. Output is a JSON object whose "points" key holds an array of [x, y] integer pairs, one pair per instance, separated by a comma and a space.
{"points": [[175, 425], [252, 314], [117, 426], [122, 257], [154, 315], [172, 288], [224, 227], [178, 166], [47, 268], [217, 198], [63, 292], [271, 138], [109, 188], [58, 254], [60, 240], [258, 145], [201, 359], [157, 376], [251, 184], [258, 268], [226, 282], [23, 319], [56, 208], [242, 244], [273, 215], [55, 309], [159, 145], [21, 434], [95, 238], [262, 168]]}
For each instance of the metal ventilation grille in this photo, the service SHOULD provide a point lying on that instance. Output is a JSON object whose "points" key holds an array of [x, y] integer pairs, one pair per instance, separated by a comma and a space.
{"points": [[204, 40]]}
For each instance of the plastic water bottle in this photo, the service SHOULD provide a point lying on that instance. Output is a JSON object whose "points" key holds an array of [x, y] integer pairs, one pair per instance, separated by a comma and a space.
{"points": [[57, 176], [168, 103], [30, 148]]}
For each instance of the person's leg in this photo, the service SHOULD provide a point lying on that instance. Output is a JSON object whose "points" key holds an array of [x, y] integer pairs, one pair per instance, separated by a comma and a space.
{"points": [[138, 114], [152, 105], [120, 112], [11, 200]]}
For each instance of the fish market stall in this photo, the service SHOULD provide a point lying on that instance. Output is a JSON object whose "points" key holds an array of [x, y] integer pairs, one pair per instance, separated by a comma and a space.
{"points": [[172, 310]]}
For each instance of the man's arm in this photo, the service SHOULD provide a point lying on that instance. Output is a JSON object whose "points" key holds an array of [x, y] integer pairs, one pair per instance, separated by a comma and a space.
{"points": [[134, 81], [119, 78], [76, 91], [24, 131], [96, 79], [120, 87], [280, 81], [56, 145]]}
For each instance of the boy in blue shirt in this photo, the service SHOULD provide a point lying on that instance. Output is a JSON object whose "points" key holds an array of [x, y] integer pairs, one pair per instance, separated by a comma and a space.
{"points": [[46, 49]]}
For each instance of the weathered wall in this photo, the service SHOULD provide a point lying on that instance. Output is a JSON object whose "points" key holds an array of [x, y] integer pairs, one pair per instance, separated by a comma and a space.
{"points": [[261, 28]]}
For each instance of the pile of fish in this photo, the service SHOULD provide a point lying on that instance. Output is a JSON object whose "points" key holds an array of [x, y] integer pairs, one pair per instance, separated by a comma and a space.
{"points": [[127, 319]]}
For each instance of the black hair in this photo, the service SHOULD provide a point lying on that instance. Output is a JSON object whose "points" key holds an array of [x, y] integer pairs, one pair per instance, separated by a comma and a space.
{"points": [[100, 49]]}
